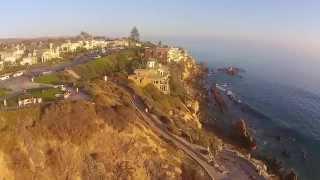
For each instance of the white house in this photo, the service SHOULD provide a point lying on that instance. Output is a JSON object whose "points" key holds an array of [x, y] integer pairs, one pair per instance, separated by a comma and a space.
{"points": [[50, 54], [12, 56], [8, 57], [71, 47], [30, 59], [120, 43]]}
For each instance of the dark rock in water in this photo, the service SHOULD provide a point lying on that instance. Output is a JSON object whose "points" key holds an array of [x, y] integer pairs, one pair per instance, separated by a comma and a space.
{"points": [[305, 155], [232, 71], [243, 135], [218, 98], [274, 164], [286, 154], [291, 176]]}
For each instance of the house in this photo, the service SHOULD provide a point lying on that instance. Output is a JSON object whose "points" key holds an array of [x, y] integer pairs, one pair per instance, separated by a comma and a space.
{"points": [[121, 43], [88, 45], [100, 43], [71, 47], [50, 54], [12, 56], [159, 77], [159, 53], [30, 59], [8, 57], [138, 44]]}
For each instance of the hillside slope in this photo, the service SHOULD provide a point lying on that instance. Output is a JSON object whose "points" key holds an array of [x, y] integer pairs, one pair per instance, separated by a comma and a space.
{"points": [[102, 139]]}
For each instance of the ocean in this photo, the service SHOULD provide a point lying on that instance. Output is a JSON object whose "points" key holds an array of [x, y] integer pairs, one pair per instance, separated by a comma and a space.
{"points": [[280, 90]]}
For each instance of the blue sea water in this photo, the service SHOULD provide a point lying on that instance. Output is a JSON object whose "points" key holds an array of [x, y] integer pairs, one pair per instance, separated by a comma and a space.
{"points": [[277, 110], [281, 90]]}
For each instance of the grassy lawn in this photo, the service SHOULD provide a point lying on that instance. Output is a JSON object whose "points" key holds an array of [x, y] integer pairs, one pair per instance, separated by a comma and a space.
{"points": [[122, 62], [45, 94], [48, 79]]}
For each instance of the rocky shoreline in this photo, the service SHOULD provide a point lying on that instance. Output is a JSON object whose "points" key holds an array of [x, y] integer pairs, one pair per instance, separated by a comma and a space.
{"points": [[242, 150], [241, 141]]}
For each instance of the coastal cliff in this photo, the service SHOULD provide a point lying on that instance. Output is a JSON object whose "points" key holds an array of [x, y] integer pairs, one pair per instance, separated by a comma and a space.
{"points": [[122, 130]]}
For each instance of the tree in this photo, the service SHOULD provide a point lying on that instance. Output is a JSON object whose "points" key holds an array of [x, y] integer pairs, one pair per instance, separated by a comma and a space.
{"points": [[84, 35], [135, 34]]}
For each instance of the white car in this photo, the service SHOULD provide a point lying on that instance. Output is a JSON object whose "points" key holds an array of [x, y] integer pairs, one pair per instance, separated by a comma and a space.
{"points": [[18, 74], [46, 72], [4, 77], [62, 87]]}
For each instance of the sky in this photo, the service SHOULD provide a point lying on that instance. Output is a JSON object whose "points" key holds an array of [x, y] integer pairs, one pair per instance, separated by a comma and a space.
{"points": [[287, 22]]}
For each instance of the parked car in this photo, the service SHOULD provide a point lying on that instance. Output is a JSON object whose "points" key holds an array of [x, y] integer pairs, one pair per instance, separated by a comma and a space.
{"points": [[5, 77], [46, 72], [18, 74], [62, 87]]}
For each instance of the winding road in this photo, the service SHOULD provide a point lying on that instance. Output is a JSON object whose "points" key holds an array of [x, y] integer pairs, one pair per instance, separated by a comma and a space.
{"points": [[231, 166], [19, 84], [150, 120]]}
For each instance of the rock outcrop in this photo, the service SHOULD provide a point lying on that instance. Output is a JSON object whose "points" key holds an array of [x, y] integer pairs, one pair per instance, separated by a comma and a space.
{"points": [[242, 134], [232, 71], [219, 101]]}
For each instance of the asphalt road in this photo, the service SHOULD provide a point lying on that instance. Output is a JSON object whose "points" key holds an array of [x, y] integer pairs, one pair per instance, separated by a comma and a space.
{"points": [[19, 84]]}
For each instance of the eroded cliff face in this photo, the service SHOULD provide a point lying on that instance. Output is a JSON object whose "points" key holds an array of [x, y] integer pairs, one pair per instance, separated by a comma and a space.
{"points": [[104, 139]]}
